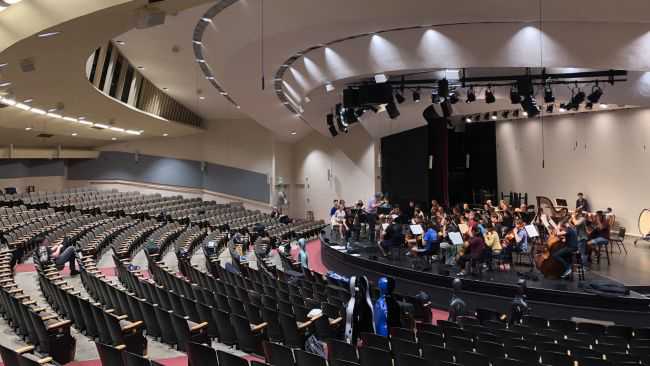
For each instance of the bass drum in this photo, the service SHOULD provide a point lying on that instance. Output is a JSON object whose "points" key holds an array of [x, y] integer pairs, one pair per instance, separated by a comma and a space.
{"points": [[644, 222]]}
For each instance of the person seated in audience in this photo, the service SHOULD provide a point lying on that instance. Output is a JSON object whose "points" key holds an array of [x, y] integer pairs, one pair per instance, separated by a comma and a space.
{"points": [[492, 244], [563, 255], [393, 237], [303, 256], [600, 233], [59, 255], [473, 250], [582, 203]]}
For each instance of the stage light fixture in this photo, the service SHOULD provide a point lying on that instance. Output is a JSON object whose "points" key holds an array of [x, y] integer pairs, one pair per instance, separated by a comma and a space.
{"points": [[494, 116], [549, 108], [548, 95], [562, 108], [489, 95], [416, 96], [529, 104], [515, 98], [468, 119], [589, 105], [486, 115], [594, 96], [399, 97], [471, 97], [330, 125], [505, 114], [373, 108], [576, 100], [435, 98], [349, 116], [477, 117], [391, 109], [515, 113], [453, 98]]}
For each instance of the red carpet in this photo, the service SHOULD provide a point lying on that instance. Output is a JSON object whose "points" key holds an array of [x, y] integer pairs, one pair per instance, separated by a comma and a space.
{"points": [[28, 267]]}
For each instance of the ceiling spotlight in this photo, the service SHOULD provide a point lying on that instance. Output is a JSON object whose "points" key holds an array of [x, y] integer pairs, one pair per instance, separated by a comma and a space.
{"points": [[202, 97], [477, 117], [489, 95], [515, 113], [392, 110], [549, 108], [74, 134], [28, 128], [589, 105], [435, 98], [399, 97], [206, 19], [381, 78], [447, 109], [330, 124], [165, 89], [594, 96], [576, 100], [293, 133], [524, 113], [515, 98], [48, 34], [604, 106], [165, 134], [468, 119], [486, 115], [114, 138], [3, 64], [443, 88], [6, 83], [470, 95], [28, 100], [505, 114], [494, 116], [562, 108], [140, 67], [416, 96], [121, 43], [329, 87], [548, 95]]}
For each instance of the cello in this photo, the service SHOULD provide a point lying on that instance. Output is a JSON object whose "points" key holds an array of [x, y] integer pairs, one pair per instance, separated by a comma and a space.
{"points": [[544, 260]]}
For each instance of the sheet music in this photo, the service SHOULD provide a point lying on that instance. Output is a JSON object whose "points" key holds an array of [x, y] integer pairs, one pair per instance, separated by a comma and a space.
{"points": [[384, 226], [456, 238], [416, 229], [532, 231]]}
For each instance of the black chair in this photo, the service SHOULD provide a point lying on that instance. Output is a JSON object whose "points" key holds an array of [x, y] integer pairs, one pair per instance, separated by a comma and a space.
{"points": [[249, 336], [228, 359], [459, 344], [430, 338], [472, 359], [593, 361], [430, 352], [402, 333], [492, 350], [410, 360], [278, 355], [110, 355], [509, 362], [594, 329], [370, 356], [308, 359], [523, 354], [187, 331], [374, 340], [227, 333], [273, 328], [131, 359], [201, 355], [557, 359], [398, 345], [340, 351], [294, 334]]}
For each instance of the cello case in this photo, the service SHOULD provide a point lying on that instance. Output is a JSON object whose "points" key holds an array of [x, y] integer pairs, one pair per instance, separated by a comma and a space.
{"points": [[359, 310]]}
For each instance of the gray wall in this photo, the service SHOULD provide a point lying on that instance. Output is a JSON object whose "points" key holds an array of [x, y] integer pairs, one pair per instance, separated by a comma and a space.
{"points": [[113, 165], [19, 168]]}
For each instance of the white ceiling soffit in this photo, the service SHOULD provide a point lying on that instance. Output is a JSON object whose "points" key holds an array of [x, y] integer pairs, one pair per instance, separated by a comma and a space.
{"points": [[76, 28]]}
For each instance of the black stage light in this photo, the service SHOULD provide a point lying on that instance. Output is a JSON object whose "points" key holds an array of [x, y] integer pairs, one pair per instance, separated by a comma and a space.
{"points": [[548, 95], [515, 113], [470, 95], [453, 98], [330, 124], [373, 108], [486, 115], [549, 108], [416, 96], [515, 98], [505, 114], [467, 119], [529, 104], [589, 105], [494, 116], [477, 117], [489, 95], [333, 131], [399, 97], [430, 115], [596, 93], [447, 109], [359, 112], [391, 109], [576, 100], [443, 88], [435, 98], [349, 116]]}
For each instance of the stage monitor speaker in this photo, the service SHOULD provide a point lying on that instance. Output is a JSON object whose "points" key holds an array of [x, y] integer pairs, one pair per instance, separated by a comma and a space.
{"points": [[147, 18]]}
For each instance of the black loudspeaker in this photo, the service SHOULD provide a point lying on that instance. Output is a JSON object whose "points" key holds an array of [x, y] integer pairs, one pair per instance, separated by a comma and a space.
{"points": [[375, 94], [351, 98], [430, 115]]}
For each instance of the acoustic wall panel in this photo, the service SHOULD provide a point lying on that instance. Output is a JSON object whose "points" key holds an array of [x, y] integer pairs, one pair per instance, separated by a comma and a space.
{"points": [[19, 168], [112, 165]]}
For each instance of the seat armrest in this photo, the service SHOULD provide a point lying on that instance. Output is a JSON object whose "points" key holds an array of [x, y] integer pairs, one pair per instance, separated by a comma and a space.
{"points": [[199, 326], [60, 324], [259, 327], [336, 321], [24, 349], [132, 326]]}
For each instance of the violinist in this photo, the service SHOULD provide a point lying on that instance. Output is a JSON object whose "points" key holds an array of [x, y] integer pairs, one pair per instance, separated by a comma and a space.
{"points": [[600, 233], [579, 222], [569, 235]]}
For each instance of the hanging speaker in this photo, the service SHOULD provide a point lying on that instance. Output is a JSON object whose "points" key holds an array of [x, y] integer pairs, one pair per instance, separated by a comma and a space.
{"points": [[28, 64]]}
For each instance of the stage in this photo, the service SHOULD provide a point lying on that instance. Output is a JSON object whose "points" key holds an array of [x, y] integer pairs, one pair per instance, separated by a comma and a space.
{"points": [[549, 298]]}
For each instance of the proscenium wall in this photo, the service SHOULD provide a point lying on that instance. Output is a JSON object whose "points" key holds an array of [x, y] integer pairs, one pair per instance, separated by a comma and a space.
{"points": [[351, 162], [43, 174], [606, 155]]}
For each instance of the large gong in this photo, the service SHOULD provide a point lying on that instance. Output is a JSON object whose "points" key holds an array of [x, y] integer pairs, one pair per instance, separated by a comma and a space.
{"points": [[644, 222]]}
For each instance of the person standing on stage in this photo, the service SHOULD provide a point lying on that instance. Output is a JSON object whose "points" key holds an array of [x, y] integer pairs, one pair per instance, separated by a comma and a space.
{"points": [[582, 203], [335, 206], [373, 203]]}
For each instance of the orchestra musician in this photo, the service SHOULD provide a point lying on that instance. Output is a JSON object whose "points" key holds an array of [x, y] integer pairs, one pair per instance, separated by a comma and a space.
{"points": [[358, 215], [569, 236], [339, 219], [373, 203], [582, 203], [579, 222], [599, 233]]}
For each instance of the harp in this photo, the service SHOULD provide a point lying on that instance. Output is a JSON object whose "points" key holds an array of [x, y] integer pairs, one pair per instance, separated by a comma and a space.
{"points": [[545, 206]]}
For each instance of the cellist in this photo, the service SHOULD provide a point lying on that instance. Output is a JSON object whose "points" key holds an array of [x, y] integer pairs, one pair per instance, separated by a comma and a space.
{"points": [[569, 236]]}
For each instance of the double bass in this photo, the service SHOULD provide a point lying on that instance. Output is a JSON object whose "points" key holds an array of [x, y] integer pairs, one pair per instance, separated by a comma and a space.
{"points": [[544, 260]]}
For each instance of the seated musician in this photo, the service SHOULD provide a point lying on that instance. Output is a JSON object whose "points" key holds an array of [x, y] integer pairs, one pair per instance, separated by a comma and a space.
{"points": [[418, 216], [473, 250], [339, 219], [563, 255], [600, 233], [393, 236], [579, 222], [582, 203], [521, 237], [430, 242], [492, 244]]}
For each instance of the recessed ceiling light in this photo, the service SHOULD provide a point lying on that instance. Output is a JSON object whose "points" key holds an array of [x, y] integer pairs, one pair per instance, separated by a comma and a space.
{"points": [[140, 67], [100, 125], [294, 132], [121, 43], [70, 119], [28, 128], [114, 138], [3, 65], [165, 89], [28, 100], [205, 19], [7, 83], [165, 134], [200, 60], [381, 78], [210, 77], [82, 118], [48, 34], [74, 134], [223, 93], [132, 132], [329, 87], [562, 109], [52, 110], [238, 106], [604, 106], [202, 97], [525, 114], [38, 111], [197, 42]]}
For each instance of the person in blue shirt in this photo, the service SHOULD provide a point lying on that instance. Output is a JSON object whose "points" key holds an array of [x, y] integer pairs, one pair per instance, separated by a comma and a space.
{"points": [[303, 257], [335, 206], [430, 242]]}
